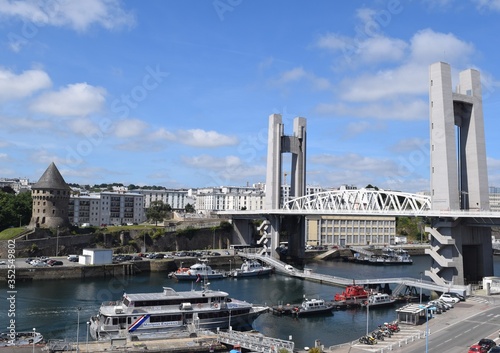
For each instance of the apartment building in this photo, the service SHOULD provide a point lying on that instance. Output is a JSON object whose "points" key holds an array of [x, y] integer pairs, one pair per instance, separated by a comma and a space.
{"points": [[106, 208]]}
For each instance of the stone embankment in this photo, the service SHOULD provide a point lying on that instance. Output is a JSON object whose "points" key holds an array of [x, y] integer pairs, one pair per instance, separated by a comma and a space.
{"points": [[27, 272]]}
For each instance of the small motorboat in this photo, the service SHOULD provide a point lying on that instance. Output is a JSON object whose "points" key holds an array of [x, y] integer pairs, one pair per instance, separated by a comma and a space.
{"points": [[251, 268], [310, 307], [197, 272], [20, 338], [379, 299]]}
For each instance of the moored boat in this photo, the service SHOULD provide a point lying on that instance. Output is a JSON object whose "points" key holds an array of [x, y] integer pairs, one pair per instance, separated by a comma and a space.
{"points": [[391, 257], [197, 272], [252, 268], [20, 338], [151, 315], [378, 299], [311, 307], [352, 293]]}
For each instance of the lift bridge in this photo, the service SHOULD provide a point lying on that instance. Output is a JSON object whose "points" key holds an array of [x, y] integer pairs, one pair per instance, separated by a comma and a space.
{"points": [[306, 274], [453, 252]]}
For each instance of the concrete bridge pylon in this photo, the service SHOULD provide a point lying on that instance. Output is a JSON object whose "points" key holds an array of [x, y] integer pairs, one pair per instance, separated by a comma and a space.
{"points": [[458, 174]]}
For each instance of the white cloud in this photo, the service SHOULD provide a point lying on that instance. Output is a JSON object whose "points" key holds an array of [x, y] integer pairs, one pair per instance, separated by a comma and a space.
{"points": [[293, 75], [83, 126], [411, 144], [14, 86], [163, 134], [213, 163], [227, 170], [202, 138], [411, 77], [78, 15], [428, 46], [79, 99], [381, 49], [298, 74], [129, 128], [488, 4]]}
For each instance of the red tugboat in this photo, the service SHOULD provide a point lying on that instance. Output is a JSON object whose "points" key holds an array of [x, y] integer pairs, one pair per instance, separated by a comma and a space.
{"points": [[352, 293]]}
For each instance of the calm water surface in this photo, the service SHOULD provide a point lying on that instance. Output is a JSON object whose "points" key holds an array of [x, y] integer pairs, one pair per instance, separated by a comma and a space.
{"points": [[51, 306]]}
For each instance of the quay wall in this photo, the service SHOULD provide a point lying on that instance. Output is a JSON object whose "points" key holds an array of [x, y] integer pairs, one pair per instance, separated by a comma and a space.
{"points": [[26, 272]]}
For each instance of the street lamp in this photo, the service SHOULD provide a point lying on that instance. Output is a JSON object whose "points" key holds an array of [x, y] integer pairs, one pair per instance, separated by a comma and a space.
{"points": [[78, 331], [421, 287], [34, 332], [367, 315], [57, 241], [88, 324], [427, 325]]}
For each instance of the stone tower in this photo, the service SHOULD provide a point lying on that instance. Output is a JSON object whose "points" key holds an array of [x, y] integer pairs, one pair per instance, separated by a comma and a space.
{"points": [[50, 200]]}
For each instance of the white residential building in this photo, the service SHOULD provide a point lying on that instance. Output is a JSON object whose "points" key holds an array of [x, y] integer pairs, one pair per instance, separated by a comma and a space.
{"points": [[106, 208], [177, 199]]}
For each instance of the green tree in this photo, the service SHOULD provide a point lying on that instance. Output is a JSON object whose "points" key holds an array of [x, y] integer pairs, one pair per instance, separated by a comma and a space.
{"points": [[14, 209], [189, 208], [158, 211]]}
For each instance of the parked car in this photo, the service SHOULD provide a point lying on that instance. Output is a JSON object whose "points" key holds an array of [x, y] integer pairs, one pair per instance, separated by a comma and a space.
{"points": [[73, 258], [2, 262], [447, 298], [477, 349], [495, 349], [55, 263], [486, 342]]}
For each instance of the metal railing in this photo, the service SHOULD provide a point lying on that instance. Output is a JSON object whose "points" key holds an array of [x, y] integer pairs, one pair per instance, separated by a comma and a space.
{"points": [[255, 342]]}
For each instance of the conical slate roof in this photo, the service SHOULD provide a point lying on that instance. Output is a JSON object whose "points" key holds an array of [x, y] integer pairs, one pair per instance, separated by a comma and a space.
{"points": [[51, 179]]}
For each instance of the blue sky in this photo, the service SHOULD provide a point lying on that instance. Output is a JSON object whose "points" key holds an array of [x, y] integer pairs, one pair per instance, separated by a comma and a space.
{"points": [[178, 93]]}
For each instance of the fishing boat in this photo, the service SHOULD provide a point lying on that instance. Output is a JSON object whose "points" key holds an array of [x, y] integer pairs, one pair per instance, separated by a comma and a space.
{"points": [[352, 293], [197, 272], [378, 299], [153, 315], [20, 338], [311, 307], [252, 268]]}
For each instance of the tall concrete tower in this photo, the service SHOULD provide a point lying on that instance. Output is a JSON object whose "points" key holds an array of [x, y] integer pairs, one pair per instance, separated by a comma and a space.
{"points": [[461, 250], [279, 143], [459, 178], [50, 200]]}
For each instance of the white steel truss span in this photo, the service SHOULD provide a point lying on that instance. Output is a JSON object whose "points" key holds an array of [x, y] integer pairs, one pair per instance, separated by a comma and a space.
{"points": [[363, 200]]}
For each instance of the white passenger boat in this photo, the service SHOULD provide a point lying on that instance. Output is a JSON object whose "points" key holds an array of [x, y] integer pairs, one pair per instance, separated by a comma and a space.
{"points": [[13, 339], [150, 315], [251, 268], [379, 299], [197, 272], [312, 307]]}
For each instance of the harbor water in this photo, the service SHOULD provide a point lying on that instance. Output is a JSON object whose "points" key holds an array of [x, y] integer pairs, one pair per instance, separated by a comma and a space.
{"points": [[55, 307]]}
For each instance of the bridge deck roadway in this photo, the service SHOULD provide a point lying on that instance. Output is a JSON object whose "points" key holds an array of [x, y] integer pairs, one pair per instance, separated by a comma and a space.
{"points": [[288, 270]]}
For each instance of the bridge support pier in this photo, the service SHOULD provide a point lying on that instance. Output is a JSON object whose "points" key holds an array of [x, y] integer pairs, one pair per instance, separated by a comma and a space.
{"points": [[461, 253]]}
